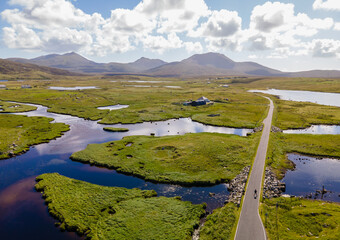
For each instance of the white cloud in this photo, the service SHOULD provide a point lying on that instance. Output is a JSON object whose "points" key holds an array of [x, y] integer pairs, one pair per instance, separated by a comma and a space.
{"points": [[221, 23], [326, 48], [193, 47], [22, 37], [160, 43], [275, 27], [330, 5], [158, 25], [271, 16], [174, 15], [337, 26]]}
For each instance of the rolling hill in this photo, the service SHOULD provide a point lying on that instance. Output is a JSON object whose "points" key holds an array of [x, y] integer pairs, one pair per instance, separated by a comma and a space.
{"points": [[208, 64], [77, 63], [8, 67]]}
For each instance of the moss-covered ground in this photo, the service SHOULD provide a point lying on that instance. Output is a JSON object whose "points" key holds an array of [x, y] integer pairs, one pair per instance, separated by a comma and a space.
{"points": [[315, 145], [7, 107], [117, 213], [220, 224], [191, 159], [290, 114], [18, 133], [294, 218]]}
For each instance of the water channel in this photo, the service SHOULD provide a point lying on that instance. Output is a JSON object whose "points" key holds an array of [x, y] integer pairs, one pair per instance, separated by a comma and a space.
{"points": [[23, 208], [323, 98]]}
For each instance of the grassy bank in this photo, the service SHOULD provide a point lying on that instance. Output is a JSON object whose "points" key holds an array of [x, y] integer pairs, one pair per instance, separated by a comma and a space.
{"points": [[293, 218], [220, 224], [317, 145], [191, 159], [18, 133], [6, 107], [117, 213], [290, 114]]}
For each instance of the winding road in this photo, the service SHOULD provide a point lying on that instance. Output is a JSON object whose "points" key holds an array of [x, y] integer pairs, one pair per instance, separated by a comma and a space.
{"points": [[250, 225]]}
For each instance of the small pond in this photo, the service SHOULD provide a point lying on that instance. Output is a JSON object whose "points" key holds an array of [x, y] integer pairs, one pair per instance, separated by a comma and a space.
{"points": [[23, 208], [113, 107], [316, 129], [141, 86], [143, 81], [176, 87], [3, 80], [72, 88], [312, 174], [323, 98]]}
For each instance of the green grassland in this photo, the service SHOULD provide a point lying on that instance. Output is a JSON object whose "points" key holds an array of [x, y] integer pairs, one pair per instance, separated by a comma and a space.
{"points": [[117, 213], [17, 133], [7, 107], [241, 109], [295, 218], [290, 114], [112, 129], [191, 159], [220, 224], [316, 145]]}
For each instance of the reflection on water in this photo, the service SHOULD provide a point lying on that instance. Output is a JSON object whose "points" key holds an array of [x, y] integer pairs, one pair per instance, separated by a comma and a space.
{"points": [[323, 98], [17, 174], [316, 129], [113, 107], [72, 88], [311, 174], [24, 215]]}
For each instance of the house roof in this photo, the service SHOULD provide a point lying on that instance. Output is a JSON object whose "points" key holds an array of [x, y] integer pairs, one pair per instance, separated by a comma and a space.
{"points": [[203, 99]]}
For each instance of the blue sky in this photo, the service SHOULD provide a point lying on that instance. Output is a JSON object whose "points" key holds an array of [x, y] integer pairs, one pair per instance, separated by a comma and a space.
{"points": [[286, 35]]}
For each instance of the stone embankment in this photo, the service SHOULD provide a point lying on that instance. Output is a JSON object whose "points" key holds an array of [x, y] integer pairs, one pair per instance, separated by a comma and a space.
{"points": [[272, 186], [258, 129], [276, 129], [236, 187]]}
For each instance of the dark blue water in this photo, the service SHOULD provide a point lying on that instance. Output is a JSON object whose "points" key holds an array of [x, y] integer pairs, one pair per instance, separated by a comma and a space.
{"points": [[21, 207], [312, 174]]}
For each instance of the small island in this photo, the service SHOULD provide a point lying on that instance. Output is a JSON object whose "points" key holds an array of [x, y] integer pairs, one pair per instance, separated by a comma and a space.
{"points": [[112, 129]]}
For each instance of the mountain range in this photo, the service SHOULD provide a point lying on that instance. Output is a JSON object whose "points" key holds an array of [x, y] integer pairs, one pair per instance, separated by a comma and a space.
{"points": [[208, 64]]}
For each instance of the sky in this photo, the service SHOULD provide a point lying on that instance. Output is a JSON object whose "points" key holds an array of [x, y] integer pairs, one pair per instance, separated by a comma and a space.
{"points": [[286, 35]]}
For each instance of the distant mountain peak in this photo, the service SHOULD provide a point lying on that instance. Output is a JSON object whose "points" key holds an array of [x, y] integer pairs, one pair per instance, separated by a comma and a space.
{"points": [[212, 59], [144, 63]]}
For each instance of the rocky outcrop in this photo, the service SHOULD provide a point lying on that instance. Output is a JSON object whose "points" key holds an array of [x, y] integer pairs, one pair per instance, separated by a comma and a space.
{"points": [[272, 186], [276, 129], [258, 129], [236, 187]]}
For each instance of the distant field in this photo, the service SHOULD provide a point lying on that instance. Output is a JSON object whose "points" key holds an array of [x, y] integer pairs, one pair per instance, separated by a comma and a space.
{"points": [[233, 106], [191, 159], [20, 132], [117, 213], [294, 218]]}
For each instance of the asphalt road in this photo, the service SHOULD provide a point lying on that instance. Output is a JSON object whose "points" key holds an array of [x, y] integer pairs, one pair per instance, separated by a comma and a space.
{"points": [[250, 226]]}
